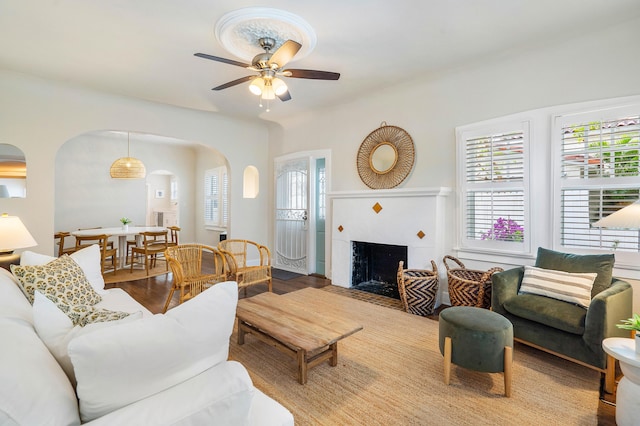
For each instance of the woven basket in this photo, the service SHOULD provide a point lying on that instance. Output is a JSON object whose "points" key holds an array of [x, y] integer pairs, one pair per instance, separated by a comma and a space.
{"points": [[418, 288], [468, 287]]}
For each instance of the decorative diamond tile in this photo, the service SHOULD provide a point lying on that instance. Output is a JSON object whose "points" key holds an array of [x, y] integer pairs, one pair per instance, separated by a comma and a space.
{"points": [[377, 207], [421, 234], [340, 228]]}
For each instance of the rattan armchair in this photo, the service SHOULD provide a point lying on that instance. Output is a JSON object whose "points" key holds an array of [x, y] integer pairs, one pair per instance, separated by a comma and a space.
{"points": [[235, 253], [195, 268]]}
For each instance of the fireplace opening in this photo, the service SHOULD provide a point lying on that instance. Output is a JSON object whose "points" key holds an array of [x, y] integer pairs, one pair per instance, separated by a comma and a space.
{"points": [[375, 266]]}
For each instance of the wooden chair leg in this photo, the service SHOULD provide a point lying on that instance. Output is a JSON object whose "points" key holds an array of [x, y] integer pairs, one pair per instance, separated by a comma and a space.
{"points": [[610, 374], [508, 368], [447, 360], [166, 305]]}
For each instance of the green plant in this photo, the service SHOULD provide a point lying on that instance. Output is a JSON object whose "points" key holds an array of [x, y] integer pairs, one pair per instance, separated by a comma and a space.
{"points": [[125, 220], [631, 323]]}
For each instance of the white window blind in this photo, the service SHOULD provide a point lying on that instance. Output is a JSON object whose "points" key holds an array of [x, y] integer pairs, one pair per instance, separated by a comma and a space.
{"points": [[493, 186], [216, 200], [599, 170]]}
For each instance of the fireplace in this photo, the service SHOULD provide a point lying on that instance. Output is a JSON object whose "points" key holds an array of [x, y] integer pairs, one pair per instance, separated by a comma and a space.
{"points": [[415, 218], [375, 267]]}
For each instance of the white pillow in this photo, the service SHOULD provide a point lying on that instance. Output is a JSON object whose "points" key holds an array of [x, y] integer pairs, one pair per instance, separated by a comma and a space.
{"points": [[88, 259], [56, 330], [572, 287], [117, 366]]}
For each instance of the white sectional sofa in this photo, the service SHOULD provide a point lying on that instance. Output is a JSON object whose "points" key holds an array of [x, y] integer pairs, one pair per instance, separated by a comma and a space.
{"points": [[144, 369]]}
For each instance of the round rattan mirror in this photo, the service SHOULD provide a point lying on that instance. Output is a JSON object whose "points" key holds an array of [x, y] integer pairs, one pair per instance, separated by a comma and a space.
{"points": [[385, 157]]}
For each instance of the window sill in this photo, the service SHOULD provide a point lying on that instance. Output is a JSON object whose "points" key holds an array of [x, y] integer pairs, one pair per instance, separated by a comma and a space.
{"points": [[215, 228]]}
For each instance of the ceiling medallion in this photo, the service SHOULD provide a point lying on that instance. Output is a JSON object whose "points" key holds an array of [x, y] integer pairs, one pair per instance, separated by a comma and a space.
{"points": [[239, 31]]}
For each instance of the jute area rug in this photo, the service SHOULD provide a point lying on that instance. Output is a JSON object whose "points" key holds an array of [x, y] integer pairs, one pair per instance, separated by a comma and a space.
{"points": [[391, 373]]}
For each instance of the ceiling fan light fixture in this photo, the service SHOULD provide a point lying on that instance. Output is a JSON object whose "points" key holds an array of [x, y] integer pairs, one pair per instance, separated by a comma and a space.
{"points": [[268, 93], [257, 86], [279, 86]]}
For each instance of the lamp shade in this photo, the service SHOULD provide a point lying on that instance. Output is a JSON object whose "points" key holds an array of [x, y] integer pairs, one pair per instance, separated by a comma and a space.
{"points": [[626, 218], [13, 234], [128, 168]]}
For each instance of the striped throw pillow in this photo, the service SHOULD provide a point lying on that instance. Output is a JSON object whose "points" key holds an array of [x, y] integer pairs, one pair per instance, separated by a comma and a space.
{"points": [[572, 287]]}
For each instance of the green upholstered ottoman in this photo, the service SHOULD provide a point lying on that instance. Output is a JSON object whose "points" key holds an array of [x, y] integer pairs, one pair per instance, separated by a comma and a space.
{"points": [[477, 339]]}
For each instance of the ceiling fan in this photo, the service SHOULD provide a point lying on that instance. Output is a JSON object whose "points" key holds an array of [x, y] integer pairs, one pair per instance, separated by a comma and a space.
{"points": [[270, 67]]}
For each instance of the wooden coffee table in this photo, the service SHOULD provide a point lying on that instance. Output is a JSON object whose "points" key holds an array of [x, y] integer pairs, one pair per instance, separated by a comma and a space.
{"points": [[293, 328]]}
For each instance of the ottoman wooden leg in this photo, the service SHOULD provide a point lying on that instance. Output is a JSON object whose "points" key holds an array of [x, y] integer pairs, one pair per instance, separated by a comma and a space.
{"points": [[447, 360], [508, 363]]}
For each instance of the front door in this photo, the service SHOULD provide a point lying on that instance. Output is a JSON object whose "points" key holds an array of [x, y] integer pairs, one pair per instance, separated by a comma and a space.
{"points": [[292, 215]]}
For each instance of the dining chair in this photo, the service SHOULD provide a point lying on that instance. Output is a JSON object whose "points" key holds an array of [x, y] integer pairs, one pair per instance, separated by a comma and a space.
{"points": [[235, 253], [195, 268], [154, 243], [102, 240], [60, 237], [109, 243], [173, 232]]}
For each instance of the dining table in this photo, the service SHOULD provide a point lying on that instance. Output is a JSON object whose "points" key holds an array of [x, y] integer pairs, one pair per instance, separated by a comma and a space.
{"points": [[122, 232]]}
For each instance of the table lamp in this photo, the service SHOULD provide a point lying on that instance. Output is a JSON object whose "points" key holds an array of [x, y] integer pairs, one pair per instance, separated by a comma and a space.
{"points": [[13, 235], [626, 218]]}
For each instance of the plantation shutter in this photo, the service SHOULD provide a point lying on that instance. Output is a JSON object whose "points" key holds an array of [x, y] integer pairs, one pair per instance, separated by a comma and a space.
{"points": [[598, 176], [211, 198], [494, 187]]}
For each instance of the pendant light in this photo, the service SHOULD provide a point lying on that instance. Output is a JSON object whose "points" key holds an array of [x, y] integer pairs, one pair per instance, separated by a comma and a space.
{"points": [[128, 167]]}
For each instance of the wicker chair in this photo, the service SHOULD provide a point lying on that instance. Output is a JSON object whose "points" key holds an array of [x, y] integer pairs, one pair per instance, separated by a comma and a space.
{"points": [[235, 253], [195, 268]]}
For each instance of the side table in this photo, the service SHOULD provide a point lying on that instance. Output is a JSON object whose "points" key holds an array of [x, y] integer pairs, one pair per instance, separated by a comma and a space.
{"points": [[628, 394]]}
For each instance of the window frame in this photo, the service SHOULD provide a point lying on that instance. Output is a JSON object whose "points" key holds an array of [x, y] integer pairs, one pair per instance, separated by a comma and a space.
{"points": [[221, 197], [624, 259], [465, 187]]}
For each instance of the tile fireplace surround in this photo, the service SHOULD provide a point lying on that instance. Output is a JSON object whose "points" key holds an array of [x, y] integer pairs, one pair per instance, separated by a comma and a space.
{"points": [[395, 216]]}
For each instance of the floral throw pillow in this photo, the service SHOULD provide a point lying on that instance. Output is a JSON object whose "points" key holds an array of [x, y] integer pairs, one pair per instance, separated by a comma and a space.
{"points": [[62, 278], [86, 314]]}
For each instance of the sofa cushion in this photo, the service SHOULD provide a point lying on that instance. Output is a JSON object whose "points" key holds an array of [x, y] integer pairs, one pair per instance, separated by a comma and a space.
{"points": [[601, 264], [88, 259], [150, 355], [572, 287], [34, 390], [13, 303], [61, 277], [220, 395], [551, 312], [56, 329]]}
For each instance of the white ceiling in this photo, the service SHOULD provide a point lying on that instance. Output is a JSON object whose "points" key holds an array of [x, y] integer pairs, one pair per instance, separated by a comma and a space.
{"points": [[144, 48]]}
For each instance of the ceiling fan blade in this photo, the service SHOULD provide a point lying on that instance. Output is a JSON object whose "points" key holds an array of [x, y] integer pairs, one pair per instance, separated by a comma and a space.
{"points": [[235, 82], [312, 74], [223, 60], [285, 96], [284, 53]]}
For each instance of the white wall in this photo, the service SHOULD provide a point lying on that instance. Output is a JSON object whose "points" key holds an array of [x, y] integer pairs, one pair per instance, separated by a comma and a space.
{"points": [[431, 108], [86, 196], [39, 116]]}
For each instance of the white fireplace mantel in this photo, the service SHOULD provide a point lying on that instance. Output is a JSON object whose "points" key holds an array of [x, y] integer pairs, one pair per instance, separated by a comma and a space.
{"points": [[412, 217]]}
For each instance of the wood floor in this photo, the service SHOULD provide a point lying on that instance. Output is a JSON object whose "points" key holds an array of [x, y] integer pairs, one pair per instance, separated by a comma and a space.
{"points": [[152, 293]]}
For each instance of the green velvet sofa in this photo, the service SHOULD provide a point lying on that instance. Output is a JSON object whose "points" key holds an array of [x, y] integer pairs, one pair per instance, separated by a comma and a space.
{"points": [[561, 328]]}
